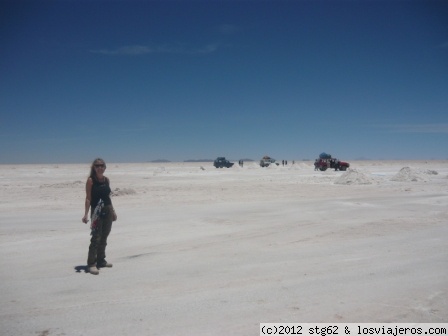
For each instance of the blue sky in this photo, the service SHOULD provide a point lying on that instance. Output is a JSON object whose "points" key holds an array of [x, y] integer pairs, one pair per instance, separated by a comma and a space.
{"points": [[135, 81]]}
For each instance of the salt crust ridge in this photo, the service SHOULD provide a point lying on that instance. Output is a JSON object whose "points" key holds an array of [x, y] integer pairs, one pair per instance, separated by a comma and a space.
{"points": [[123, 192]]}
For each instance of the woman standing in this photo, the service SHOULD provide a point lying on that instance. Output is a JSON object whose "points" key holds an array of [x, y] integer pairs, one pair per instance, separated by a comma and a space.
{"points": [[102, 215]]}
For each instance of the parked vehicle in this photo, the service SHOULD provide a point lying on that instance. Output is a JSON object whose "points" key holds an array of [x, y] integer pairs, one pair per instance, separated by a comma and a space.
{"points": [[266, 161], [221, 162], [325, 161]]}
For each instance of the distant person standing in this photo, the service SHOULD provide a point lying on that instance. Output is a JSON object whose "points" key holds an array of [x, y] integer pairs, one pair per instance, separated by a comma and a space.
{"points": [[102, 215]]}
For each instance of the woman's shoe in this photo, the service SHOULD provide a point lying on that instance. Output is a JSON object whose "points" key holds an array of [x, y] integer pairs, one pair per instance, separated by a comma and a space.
{"points": [[93, 270], [104, 263]]}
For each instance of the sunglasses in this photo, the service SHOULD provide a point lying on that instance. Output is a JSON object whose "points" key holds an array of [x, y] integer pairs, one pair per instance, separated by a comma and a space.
{"points": [[100, 166]]}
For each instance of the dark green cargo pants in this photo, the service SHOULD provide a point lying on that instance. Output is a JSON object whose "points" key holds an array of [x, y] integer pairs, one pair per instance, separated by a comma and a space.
{"points": [[98, 242]]}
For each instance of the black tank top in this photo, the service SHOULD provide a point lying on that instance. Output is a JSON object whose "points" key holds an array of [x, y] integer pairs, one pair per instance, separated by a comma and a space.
{"points": [[100, 190]]}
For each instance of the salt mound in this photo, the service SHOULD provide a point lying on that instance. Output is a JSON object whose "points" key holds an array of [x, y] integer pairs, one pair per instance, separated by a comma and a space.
{"points": [[353, 176], [406, 174], [159, 170], [252, 165], [123, 192], [430, 172]]}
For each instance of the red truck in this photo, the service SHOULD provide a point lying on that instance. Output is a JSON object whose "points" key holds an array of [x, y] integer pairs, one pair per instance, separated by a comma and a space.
{"points": [[325, 161]]}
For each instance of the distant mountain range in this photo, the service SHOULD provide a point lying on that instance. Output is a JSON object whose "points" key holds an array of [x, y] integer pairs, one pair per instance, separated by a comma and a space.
{"points": [[160, 160], [200, 160]]}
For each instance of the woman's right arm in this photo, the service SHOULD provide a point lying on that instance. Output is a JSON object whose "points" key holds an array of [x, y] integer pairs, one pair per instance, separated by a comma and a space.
{"points": [[89, 184]]}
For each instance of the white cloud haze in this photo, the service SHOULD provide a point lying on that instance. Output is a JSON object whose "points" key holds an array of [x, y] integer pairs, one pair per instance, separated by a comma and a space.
{"points": [[137, 50]]}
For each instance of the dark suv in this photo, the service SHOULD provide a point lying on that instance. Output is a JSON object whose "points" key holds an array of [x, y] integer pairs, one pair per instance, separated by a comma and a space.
{"points": [[221, 162]]}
